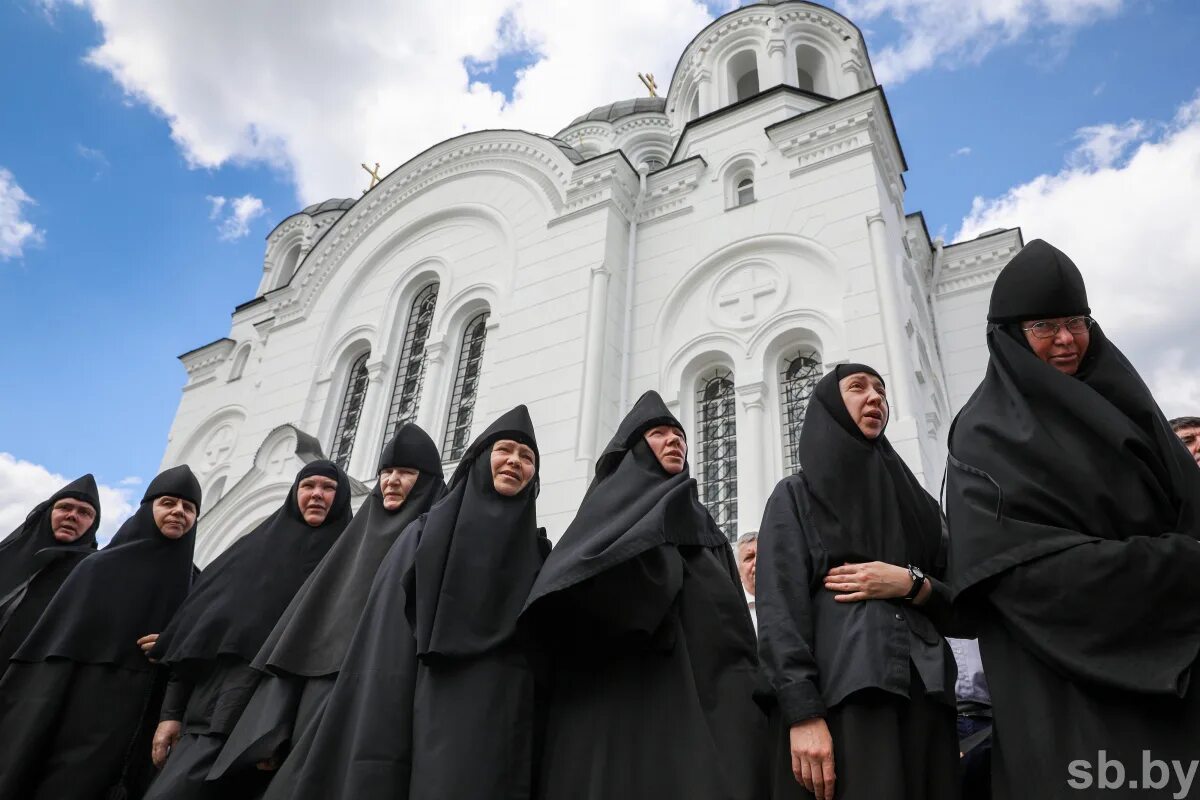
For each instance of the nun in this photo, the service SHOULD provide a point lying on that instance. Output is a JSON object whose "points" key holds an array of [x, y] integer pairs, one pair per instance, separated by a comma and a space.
{"points": [[436, 697], [77, 704], [301, 658], [849, 609], [653, 671], [220, 629], [1074, 514], [38, 556]]}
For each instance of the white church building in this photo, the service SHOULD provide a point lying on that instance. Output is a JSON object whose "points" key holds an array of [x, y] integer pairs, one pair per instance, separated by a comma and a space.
{"points": [[725, 245]]}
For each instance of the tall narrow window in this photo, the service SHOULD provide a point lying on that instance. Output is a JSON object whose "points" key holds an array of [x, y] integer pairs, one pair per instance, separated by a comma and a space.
{"points": [[352, 404], [717, 447], [796, 382], [466, 388], [745, 191], [410, 370]]}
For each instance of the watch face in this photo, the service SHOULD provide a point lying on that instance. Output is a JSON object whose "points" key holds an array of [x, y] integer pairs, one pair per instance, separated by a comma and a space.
{"points": [[917, 574]]}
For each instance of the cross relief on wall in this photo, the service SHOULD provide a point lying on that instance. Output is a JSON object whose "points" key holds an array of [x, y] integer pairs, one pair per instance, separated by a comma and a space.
{"points": [[748, 293]]}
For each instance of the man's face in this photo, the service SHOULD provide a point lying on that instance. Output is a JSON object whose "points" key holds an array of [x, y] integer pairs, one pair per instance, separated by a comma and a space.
{"points": [[513, 466], [395, 483], [70, 518], [669, 447], [1064, 350], [173, 515], [747, 556], [1191, 440], [315, 496]]}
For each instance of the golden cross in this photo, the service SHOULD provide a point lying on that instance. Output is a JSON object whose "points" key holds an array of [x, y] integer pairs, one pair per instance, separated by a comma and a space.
{"points": [[648, 81], [374, 173]]}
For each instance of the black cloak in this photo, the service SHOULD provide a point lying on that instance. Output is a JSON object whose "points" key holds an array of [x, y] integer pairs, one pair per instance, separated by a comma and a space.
{"points": [[435, 699], [223, 624], [77, 705], [33, 564], [305, 650], [1074, 514], [877, 671], [652, 651]]}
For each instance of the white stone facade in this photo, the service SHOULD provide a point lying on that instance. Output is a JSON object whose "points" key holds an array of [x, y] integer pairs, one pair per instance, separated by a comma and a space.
{"points": [[756, 229]]}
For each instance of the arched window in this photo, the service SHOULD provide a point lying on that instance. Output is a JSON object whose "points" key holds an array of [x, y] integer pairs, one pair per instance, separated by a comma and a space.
{"points": [[743, 76], [352, 404], [466, 387], [654, 164], [694, 108], [716, 445], [287, 267], [744, 192], [410, 369], [811, 72], [797, 379], [239, 363]]}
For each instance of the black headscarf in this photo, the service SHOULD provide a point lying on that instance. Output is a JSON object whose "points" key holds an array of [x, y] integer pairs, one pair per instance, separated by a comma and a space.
{"points": [[478, 554], [311, 637], [32, 545], [1088, 455], [239, 598], [632, 506], [129, 589], [867, 505]]}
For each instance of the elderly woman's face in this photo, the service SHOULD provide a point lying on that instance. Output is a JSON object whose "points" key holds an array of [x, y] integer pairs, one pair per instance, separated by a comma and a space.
{"points": [[668, 446], [174, 516], [866, 400], [395, 483], [513, 465], [1064, 350]]}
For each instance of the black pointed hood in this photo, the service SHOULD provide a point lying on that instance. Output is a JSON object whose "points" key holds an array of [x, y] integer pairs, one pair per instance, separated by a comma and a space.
{"points": [[478, 553], [241, 595], [632, 506], [867, 504], [32, 545], [312, 636], [129, 589], [1040, 282]]}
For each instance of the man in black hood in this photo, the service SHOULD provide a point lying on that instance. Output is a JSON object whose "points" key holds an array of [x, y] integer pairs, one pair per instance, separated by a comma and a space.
{"points": [[1074, 513], [38, 556]]}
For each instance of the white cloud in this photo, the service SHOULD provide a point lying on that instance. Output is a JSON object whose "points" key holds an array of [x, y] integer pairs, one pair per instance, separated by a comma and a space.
{"points": [[952, 32], [16, 232], [962, 151], [241, 212], [24, 484], [132, 480], [96, 157], [1124, 209]]}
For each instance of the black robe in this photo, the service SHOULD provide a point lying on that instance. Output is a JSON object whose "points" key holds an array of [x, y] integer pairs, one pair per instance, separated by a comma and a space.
{"points": [[218, 631], [1074, 517], [436, 697], [33, 565], [77, 705], [878, 671], [300, 660], [652, 651]]}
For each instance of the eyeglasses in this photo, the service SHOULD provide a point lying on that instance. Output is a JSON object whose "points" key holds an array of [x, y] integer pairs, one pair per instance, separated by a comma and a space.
{"points": [[1047, 330]]}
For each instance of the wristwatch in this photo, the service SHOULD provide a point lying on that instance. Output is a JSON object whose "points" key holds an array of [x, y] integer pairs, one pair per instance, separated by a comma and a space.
{"points": [[918, 579]]}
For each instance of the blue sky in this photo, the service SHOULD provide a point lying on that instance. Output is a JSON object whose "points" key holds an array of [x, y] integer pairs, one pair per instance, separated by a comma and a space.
{"points": [[128, 267]]}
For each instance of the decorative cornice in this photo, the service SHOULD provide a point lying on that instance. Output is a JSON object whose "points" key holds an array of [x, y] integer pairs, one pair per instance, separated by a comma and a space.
{"points": [[647, 120], [202, 362], [975, 264], [605, 180], [667, 190]]}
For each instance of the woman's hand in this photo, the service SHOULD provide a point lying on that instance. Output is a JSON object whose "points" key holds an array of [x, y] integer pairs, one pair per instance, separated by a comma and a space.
{"points": [[873, 580], [147, 643], [165, 737], [812, 757], [267, 764]]}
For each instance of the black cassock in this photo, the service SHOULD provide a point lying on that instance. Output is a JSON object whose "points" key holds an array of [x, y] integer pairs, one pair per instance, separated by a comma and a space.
{"points": [[436, 697], [300, 660], [77, 704], [221, 627], [33, 565], [652, 651], [1074, 513], [877, 671]]}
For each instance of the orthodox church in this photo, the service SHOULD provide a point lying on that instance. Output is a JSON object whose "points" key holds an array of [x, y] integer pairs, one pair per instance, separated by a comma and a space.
{"points": [[724, 244]]}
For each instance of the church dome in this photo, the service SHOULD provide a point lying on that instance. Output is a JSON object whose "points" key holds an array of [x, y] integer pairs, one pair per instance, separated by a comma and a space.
{"points": [[333, 204], [623, 108]]}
